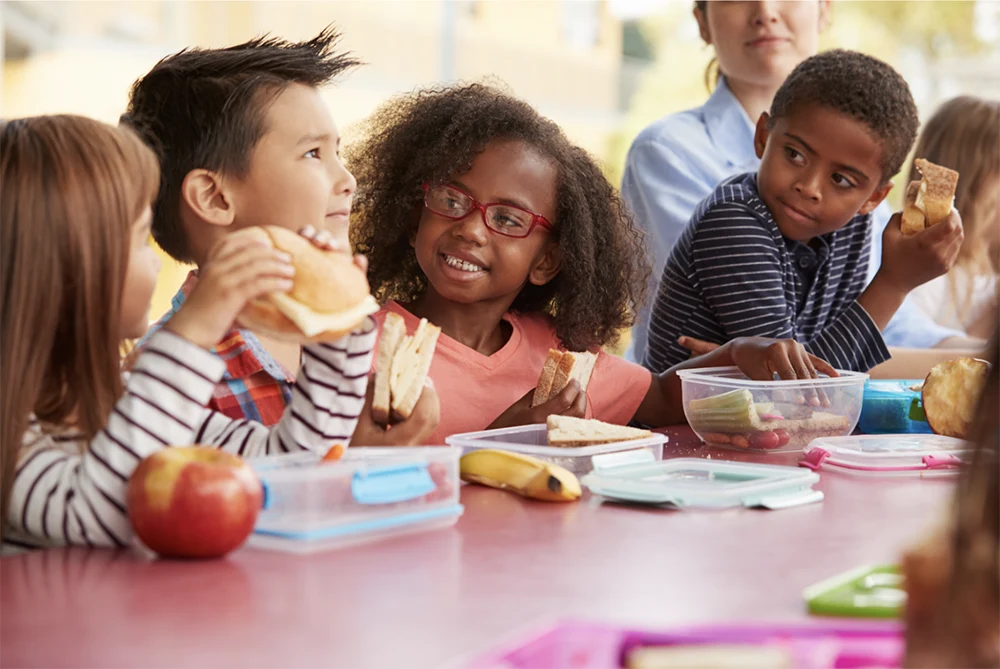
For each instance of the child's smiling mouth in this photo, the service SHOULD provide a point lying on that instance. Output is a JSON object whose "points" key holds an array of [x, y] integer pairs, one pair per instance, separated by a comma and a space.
{"points": [[462, 265]]}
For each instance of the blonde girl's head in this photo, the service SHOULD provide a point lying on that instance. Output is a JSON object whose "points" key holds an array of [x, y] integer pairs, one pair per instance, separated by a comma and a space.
{"points": [[71, 192]]}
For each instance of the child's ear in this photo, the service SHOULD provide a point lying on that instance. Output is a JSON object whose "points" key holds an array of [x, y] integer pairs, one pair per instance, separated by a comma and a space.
{"points": [[761, 134], [546, 267], [703, 30], [876, 198], [205, 193]]}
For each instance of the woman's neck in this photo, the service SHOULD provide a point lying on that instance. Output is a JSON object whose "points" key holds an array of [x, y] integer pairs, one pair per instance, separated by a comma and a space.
{"points": [[480, 325], [754, 98]]}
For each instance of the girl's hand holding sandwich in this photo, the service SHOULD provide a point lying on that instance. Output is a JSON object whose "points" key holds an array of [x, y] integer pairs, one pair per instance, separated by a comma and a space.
{"points": [[571, 401], [412, 431]]}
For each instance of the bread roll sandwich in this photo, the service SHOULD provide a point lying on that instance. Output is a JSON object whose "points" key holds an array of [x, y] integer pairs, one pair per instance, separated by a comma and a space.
{"points": [[401, 367], [330, 296], [928, 201], [559, 369]]}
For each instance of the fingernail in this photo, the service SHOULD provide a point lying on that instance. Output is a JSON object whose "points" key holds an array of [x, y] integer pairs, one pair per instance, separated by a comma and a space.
{"points": [[284, 257], [308, 231]]}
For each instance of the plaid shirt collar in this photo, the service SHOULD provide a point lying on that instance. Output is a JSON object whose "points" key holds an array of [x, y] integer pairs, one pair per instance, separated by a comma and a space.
{"points": [[242, 352]]}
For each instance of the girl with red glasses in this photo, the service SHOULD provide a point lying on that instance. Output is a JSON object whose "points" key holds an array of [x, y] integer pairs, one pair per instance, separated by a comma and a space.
{"points": [[479, 215]]}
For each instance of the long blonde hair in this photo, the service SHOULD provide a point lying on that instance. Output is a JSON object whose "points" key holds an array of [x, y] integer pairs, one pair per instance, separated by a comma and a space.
{"points": [[71, 190], [964, 135]]}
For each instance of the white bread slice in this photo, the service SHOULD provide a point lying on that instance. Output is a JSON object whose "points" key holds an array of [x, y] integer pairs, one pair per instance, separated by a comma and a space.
{"points": [[566, 431], [710, 656], [393, 332], [414, 360], [544, 386], [570, 365]]}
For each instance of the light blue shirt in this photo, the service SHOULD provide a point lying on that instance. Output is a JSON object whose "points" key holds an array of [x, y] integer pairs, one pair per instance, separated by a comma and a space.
{"points": [[677, 162]]}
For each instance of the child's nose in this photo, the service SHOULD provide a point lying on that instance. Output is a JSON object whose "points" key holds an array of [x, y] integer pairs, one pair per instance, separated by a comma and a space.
{"points": [[808, 185], [344, 182], [472, 228]]}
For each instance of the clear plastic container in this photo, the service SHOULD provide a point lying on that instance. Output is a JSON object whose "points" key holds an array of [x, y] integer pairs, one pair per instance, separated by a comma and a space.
{"points": [[533, 440], [700, 483], [371, 493], [728, 410], [893, 407], [889, 455]]}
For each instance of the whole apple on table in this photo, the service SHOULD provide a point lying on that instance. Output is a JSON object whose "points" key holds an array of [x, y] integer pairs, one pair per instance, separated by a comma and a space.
{"points": [[193, 502]]}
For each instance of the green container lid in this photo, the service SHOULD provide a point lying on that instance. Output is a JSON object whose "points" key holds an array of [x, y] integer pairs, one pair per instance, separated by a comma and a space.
{"points": [[866, 592]]}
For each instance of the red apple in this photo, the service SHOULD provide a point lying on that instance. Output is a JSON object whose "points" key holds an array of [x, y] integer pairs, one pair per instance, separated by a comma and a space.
{"points": [[193, 502]]}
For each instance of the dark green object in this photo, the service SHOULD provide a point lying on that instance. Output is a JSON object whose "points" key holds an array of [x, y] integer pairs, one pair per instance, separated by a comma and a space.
{"points": [[866, 592]]}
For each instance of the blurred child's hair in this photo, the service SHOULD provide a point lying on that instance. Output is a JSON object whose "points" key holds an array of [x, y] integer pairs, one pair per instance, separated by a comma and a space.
{"points": [[206, 109], [964, 135], [72, 190], [434, 135], [861, 87]]}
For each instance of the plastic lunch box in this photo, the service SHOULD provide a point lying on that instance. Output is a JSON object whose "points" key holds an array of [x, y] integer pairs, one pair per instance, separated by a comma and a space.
{"points": [[587, 645], [893, 407], [532, 440], [727, 409], [371, 493], [699, 483], [889, 455]]}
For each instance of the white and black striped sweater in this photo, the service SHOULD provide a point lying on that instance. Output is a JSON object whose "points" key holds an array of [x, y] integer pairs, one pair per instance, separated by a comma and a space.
{"points": [[68, 491]]}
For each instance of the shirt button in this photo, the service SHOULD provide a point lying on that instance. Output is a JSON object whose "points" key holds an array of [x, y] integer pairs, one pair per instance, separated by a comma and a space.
{"points": [[805, 263]]}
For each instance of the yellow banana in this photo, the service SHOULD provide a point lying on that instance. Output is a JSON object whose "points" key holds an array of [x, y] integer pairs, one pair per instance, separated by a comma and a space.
{"points": [[523, 474]]}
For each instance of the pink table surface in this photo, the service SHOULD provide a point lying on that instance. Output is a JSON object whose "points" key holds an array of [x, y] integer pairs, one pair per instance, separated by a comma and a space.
{"points": [[440, 598]]}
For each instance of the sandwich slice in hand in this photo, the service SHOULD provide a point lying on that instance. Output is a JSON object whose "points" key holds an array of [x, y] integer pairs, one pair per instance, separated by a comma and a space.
{"points": [[559, 369], [930, 200], [401, 367]]}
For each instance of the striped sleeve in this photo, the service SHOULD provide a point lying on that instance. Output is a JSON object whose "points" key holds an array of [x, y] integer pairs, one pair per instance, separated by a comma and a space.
{"points": [[738, 268], [327, 399], [68, 492]]}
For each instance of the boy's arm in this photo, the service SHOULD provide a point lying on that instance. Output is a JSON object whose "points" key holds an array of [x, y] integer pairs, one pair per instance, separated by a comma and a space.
{"points": [[327, 399]]}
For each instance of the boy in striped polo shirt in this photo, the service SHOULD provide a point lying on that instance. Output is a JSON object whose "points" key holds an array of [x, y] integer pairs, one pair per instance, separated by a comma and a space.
{"points": [[783, 252]]}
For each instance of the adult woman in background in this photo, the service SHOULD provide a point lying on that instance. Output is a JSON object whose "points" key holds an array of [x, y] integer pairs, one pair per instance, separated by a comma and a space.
{"points": [[679, 160]]}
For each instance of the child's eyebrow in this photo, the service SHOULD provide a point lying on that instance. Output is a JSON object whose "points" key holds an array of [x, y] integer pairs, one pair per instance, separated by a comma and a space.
{"points": [[840, 166], [325, 137]]}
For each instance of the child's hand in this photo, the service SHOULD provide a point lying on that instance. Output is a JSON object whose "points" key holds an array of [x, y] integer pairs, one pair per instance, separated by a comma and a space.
{"points": [[572, 401], [326, 241], [414, 431], [909, 261], [761, 358], [239, 269]]}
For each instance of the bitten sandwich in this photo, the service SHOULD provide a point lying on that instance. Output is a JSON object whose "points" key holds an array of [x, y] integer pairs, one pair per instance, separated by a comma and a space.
{"points": [[401, 367], [567, 432], [928, 201], [559, 369], [329, 298]]}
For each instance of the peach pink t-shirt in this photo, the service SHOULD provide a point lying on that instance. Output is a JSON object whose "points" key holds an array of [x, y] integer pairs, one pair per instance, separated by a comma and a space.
{"points": [[474, 389]]}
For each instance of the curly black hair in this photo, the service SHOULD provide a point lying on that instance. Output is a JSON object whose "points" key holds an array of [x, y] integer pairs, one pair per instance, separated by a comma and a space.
{"points": [[434, 135], [859, 86], [205, 108]]}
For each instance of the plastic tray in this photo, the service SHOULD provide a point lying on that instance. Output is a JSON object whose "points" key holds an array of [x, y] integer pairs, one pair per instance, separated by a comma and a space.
{"points": [[893, 407], [866, 592], [889, 455], [699, 483], [371, 493], [728, 410], [532, 440], [584, 645]]}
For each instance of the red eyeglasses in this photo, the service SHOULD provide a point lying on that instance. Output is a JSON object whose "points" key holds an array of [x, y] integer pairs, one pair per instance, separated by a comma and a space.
{"points": [[503, 219]]}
